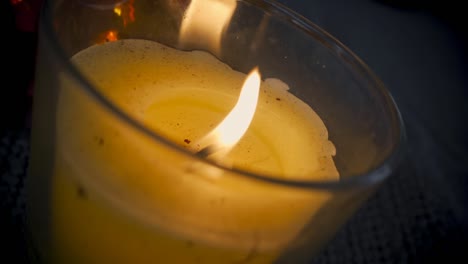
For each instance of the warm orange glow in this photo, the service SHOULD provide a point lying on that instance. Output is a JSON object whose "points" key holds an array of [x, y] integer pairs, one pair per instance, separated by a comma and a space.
{"points": [[111, 36], [204, 23], [226, 135], [118, 10], [108, 36], [128, 12]]}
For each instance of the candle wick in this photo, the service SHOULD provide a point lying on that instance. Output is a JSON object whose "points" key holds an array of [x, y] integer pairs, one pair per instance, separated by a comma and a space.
{"points": [[206, 151], [215, 153]]}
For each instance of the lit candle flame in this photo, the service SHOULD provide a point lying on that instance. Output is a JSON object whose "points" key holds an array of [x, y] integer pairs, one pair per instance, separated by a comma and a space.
{"points": [[118, 10], [204, 24], [235, 124], [126, 11], [229, 131], [107, 36]]}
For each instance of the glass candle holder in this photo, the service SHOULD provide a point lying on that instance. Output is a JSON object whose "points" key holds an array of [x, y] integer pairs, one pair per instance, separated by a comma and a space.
{"points": [[127, 95]]}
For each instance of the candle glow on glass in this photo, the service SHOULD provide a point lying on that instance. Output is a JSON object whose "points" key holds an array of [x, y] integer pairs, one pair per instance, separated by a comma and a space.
{"points": [[204, 23]]}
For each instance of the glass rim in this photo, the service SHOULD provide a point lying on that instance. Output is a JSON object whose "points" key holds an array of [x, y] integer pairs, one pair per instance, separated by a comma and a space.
{"points": [[373, 176]]}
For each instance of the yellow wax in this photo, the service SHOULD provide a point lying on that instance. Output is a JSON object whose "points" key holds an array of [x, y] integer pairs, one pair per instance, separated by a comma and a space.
{"points": [[118, 196]]}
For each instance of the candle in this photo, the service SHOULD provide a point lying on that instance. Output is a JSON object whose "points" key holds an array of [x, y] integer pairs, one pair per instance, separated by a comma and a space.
{"points": [[119, 196], [143, 153]]}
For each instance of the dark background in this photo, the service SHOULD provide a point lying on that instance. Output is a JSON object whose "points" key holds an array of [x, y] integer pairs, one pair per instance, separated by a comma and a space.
{"points": [[418, 49]]}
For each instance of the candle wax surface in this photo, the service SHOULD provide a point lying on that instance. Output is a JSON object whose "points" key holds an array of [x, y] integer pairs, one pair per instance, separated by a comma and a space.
{"points": [[183, 95], [120, 196]]}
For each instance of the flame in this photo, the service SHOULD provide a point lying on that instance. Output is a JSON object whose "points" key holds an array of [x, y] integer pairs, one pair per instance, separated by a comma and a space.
{"points": [[229, 131], [111, 35], [118, 10], [107, 36], [126, 11], [204, 23]]}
